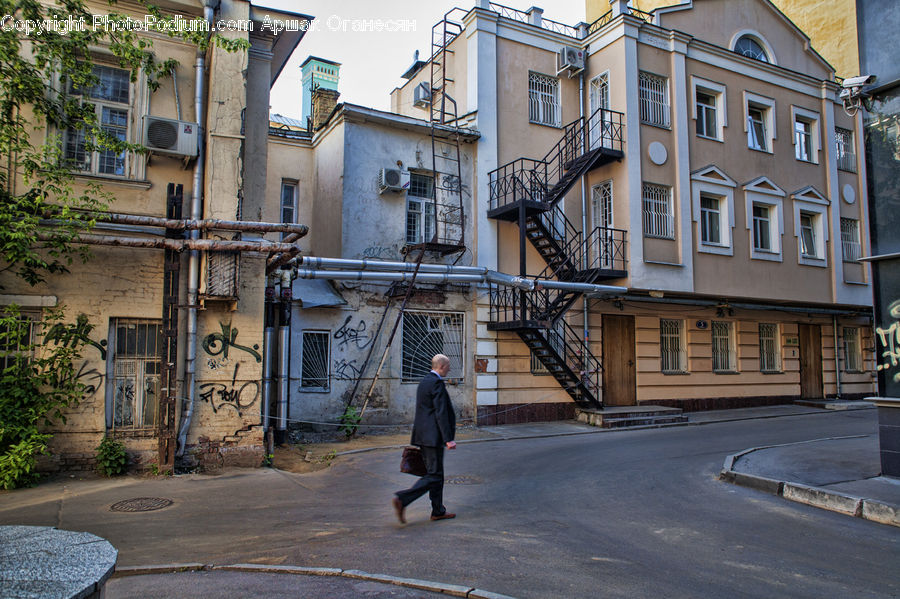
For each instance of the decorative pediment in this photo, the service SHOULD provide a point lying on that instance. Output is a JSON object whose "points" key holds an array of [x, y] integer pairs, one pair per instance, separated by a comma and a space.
{"points": [[713, 174], [764, 185], [810, 194]]}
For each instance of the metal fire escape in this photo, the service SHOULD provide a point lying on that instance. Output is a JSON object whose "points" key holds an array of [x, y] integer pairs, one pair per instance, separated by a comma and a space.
{"points": [[529, 192]]}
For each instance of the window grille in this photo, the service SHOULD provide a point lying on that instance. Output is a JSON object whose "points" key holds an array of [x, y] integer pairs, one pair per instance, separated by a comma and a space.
{"points": [[850, 246], [710, 220], [426, 334], [750, 48], [762, 239], [543, 100], [756, 128], [556, 339], [803, 140], [421, 186], [724, 356], [601, 210], [314, 360], [846, 156], [17, 340], [852, 350], [671, 346], [706, 115], [658, 218], [769, 351], [222, 272], [654, 97], [111, 99], [137, 347], [808, 235]]}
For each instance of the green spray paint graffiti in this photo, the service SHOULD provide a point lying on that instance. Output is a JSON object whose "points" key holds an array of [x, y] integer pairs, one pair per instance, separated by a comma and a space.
{"points": [[218, 343], [68, 335]]}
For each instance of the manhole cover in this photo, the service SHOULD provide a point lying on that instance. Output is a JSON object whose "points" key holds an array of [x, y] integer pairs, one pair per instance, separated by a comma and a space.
{"points": [[463, 479], [141, 504]]}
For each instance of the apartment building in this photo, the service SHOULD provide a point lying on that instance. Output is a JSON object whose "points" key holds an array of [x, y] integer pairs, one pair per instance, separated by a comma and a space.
{"points": [[698, 157], [172, 310]]}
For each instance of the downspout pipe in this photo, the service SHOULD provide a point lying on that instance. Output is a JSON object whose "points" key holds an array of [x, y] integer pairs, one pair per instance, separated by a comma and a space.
{"points": [[837, 356], [268, 354], [584, 226], [193, 283], [284, 355]]}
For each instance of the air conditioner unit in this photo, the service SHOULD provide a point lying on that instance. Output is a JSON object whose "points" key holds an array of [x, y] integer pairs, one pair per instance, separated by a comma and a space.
{"points": [[168, 136], [422, 95], [393, 179], [570, 59]]}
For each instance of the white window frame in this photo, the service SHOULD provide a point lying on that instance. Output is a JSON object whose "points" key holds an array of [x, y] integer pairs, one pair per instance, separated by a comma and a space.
{"points": [[845, 149], [852, 341], [817, 210], [767, 108], [717, 91], [601, 128], [851, 247], [763, 192], [422, 209], [672, 346], [711, 181], [813, 144], [775, 356], [312, 388], [544, 104], [653, 95], [724, 347], [657, 211], [710, 219], [290, 185], [759, 39], [455, 349], [603, 250], [120, 368]]}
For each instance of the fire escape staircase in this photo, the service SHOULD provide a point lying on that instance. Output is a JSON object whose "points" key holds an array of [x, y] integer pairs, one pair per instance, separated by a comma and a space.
{"points": [[529, 192]]}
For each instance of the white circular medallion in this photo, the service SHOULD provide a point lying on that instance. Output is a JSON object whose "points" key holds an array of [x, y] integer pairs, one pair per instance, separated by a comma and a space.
{"points": [[658, 153], [849, 193]]}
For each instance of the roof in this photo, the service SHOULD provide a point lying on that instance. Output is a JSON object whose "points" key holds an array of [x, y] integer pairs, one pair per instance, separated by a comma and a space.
{"points": [[325, 60]]}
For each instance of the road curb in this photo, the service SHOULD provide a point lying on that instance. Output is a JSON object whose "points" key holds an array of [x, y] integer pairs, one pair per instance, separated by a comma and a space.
{"points": [[827, 499], [414, 583]]}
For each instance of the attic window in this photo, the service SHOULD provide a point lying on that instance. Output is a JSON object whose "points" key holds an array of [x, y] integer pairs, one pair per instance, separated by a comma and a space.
{"points": [[751, 48]]}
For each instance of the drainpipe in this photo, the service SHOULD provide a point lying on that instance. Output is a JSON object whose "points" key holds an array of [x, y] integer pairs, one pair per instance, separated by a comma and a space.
{"points": [[268, 353], [284, 354], [584, 225], [837, 356], [194, 260]]}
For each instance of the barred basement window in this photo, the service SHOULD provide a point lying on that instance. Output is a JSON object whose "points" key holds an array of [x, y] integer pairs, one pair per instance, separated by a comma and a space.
{"points": [[850, 247], [846, 156], [724, 354], [769, 350], [314, 361], [137, 346], [543, 100], [658, 218], [654, 99], [852, 350], [17, 339], [671, 345], [426, 334]]}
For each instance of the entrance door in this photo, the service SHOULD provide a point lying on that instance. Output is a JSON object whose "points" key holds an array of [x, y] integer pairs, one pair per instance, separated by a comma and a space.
{"points": [[810, 361], [619, 370]]}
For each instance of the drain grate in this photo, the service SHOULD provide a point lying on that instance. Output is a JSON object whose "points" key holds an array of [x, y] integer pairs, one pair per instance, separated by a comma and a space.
{"points": [[141, 504], [463, 479]]}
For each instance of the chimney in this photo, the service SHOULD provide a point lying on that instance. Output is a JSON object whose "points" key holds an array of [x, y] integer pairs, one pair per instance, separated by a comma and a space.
{"points": [[323, 102]]}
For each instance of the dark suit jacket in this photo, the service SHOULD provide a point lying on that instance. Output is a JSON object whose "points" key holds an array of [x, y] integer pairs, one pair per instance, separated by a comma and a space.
{"points": [[435, 422]]}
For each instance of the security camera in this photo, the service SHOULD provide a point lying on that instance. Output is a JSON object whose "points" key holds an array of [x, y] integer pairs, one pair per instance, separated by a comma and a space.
{"points": [[861, 80]]}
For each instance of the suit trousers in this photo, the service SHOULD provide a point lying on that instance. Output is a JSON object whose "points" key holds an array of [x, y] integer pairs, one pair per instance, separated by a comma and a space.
{"points": [[432, 483]]}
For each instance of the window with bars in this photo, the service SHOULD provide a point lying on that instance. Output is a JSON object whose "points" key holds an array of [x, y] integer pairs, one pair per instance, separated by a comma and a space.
{"points": [[654, 99], [707, 124], [852, 350], [604, 250], [724, 350], [314, 360], [710, 220], [110, 97], [659, 220], [17, 337], [803, 140], [769, 348], [420, 209], [846, 155], [543, 100], [673, 357], [808, 223], [762, 228], [426, 334], [137, 347], [851, 249]]}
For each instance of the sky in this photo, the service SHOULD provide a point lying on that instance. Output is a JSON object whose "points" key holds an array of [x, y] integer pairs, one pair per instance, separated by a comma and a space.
{"points": [[372, 61]]}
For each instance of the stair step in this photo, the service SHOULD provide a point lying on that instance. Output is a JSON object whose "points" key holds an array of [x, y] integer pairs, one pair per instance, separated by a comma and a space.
{"points": [[623, 417]]}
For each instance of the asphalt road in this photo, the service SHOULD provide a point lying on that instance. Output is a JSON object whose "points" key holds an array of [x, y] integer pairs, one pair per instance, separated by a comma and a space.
{"points": [[621, 514]]}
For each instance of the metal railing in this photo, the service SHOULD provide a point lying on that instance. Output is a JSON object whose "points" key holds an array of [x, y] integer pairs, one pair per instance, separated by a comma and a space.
{"points": [[607, 249], [577, 356], [606, 18], [523, 17]]}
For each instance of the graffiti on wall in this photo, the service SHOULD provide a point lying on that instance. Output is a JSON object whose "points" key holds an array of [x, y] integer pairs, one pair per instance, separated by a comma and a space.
{"points": [[220, 395], [888, 342], [216, 344], [379, 252], [68, 335], [353, 336], [345, 370]]}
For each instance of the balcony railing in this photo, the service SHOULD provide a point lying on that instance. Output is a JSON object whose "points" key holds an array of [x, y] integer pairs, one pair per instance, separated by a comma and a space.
{"points": [[607, 249], [524, 17]]}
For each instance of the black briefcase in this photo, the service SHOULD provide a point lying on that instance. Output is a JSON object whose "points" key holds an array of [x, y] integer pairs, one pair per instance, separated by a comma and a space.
{"points": [[412, 461]]}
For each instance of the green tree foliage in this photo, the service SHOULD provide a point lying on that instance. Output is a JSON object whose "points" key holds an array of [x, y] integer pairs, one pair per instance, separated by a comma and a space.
{"points": [[37, 384], [42, 70]]}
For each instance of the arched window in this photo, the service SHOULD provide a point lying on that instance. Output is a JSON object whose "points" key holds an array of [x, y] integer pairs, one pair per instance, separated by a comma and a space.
{"points": [[751, 48]]}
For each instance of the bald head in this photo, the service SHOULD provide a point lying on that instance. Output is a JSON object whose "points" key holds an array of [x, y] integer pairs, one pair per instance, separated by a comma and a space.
{"points": [[440, 364]]}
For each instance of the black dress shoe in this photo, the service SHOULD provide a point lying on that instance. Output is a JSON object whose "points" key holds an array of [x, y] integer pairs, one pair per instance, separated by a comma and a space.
{"points": [[444, 516], [398, 507]]}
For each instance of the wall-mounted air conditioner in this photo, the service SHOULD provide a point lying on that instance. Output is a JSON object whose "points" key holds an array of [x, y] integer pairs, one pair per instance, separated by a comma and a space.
{"points": [[422, 95], [570, 59], [168, 136], [393, 179]]}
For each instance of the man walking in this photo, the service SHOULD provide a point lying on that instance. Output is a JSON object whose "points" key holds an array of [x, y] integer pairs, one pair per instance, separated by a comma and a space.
{"points": [[433, 430]]}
